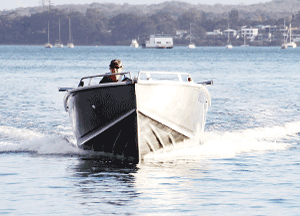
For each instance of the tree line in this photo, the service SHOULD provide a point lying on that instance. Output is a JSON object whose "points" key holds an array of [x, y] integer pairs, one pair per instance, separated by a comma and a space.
{"points": [[94, 28]]}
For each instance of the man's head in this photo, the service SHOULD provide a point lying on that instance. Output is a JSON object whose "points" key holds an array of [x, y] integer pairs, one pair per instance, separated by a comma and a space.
{"points": [[116, 66]]}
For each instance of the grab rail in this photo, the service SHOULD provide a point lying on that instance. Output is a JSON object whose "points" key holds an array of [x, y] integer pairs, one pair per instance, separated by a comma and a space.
{"points": [[176, 74], [81, 83], [101, 75]]}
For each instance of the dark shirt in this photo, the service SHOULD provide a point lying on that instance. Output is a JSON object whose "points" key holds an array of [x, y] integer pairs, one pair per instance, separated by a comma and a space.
{"points": [[106, 79]]}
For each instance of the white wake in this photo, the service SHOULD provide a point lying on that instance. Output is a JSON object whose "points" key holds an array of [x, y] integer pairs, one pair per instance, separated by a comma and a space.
{"points": [[26, 140], [229, 144]]}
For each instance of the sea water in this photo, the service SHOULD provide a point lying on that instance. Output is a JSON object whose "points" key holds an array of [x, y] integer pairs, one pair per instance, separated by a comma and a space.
{"points": [[247, 163]]}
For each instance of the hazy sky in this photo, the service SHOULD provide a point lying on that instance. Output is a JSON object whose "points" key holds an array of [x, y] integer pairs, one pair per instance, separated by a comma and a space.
{"points": [[12, 4]]}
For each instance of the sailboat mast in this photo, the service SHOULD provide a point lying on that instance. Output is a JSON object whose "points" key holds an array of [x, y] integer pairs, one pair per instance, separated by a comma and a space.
{"points": [[290, 33], [59, 30], [284, 40], [190, 33], [69, 29], [48, 33], [228, 34]]}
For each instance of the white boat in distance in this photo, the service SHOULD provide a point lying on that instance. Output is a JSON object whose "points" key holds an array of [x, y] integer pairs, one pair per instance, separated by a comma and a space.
{"points": [[59, 44], [128, 120], [48, 45], [244, 45], [291, 44], [191, 45], [134, 43], [159, 42], [229, 46], [70, 43]]}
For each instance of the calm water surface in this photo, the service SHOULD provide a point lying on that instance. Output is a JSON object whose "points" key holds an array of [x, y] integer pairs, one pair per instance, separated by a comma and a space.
{"points": [[247, 164]]}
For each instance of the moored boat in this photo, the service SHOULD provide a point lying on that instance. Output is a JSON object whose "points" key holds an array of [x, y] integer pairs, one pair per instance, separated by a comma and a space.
{"points": [[70, 42], [133, 118], [291, 44], [48, 44], [59, 44], [229, 46], [159, 41], [134, 43], [191, 45]]}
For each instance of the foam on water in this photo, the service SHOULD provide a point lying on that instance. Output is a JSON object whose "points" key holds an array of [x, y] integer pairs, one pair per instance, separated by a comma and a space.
{"points": [[215, 144], [228, 144], [26, 140]]}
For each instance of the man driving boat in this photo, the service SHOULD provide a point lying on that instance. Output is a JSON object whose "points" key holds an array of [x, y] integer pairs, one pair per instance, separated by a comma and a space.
{"points": [[116, 66]]}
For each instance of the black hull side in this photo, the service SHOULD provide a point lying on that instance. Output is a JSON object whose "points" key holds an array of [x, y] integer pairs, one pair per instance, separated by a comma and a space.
{"points": [[118, 141], [104, 119]]}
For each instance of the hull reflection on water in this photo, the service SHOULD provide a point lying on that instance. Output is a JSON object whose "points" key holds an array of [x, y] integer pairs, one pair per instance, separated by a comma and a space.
{"points": [[130, 119]]}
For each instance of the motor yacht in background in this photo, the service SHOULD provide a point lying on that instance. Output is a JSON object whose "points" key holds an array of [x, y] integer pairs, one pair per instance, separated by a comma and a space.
{"points": [[159, 41], [134, 43], [128, 120]]}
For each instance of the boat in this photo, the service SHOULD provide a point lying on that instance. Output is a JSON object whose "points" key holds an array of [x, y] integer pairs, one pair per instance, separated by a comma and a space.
{"points": [[155, 112], [229, 45], [291, 44], [244, 45], [159, 41], [191, 45], [70, 42], [134, 43], [59, 44], [48, 45]]}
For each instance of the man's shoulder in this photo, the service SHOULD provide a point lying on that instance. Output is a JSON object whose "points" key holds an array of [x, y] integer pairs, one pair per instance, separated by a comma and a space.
{"points": [[105, 80]]}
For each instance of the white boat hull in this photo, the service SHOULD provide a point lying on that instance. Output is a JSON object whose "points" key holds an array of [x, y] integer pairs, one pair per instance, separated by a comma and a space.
{"points": [[48, 45], [292, 45], [134, 44], [59, 45], [229, 46], [192, 46], [70, 45]]}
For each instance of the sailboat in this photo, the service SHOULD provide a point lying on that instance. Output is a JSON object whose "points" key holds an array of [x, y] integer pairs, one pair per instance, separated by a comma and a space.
{"points": [[48, 45], [70, 43], [59, 45], [191, 45], [244, 45], [291, 44], [283, 46], [229, 46], [285, 42]]}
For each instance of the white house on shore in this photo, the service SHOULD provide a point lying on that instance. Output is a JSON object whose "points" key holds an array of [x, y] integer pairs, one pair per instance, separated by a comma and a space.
{"points": [[249, 32], [215, 33], [231, 32]]}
